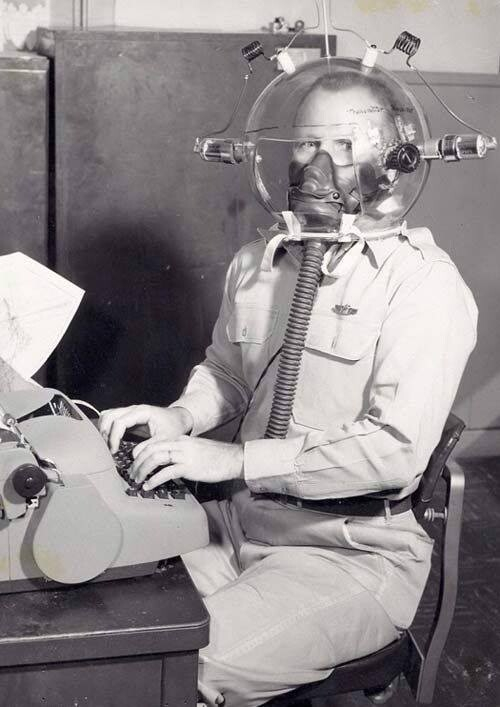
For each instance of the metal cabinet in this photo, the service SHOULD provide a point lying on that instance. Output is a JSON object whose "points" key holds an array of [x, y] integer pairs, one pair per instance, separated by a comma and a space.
{"points": [[23, 163]]}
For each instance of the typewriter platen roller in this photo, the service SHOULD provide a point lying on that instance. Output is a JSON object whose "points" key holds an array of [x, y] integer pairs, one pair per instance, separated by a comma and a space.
{"points": [[69, 511]]}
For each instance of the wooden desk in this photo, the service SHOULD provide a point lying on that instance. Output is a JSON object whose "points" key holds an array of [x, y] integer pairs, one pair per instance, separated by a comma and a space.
{"points": [[126, 643]]}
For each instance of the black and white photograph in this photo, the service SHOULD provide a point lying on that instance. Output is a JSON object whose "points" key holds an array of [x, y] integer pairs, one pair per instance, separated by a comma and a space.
{"points": [[249, 353]]}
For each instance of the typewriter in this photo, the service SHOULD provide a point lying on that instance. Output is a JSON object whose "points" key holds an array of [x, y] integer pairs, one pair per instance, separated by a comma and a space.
{"points": [[69, 511]]}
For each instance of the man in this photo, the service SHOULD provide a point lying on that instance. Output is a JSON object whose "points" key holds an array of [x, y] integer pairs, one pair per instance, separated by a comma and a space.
{"points": [[296, 582]]}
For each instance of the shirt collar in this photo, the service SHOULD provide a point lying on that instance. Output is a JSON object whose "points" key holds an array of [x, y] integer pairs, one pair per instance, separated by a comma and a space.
{"points": [[381, 244]]}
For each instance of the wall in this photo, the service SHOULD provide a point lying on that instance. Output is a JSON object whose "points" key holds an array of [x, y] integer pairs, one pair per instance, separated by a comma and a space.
{"points": [[457, 35], [19, 18]]}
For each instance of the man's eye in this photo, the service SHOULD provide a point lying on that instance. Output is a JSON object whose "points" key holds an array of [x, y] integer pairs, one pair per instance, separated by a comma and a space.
{"points": [[305, 149], [306, 146]]}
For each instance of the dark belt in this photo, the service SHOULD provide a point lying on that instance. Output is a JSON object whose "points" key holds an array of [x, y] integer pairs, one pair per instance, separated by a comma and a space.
{"points": [[357, 506]]}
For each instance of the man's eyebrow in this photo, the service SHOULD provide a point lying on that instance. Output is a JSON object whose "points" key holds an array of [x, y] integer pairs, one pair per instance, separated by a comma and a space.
{"points": [[299, 125], [321, 125], [260, 130]]}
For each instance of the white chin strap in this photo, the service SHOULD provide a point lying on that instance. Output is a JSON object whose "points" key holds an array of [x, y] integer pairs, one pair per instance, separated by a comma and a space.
{"points": [[349, 239], [342, 256]]}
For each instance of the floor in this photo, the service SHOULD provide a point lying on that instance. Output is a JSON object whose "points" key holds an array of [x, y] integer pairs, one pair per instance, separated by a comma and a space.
{"points": [[469, 673]]}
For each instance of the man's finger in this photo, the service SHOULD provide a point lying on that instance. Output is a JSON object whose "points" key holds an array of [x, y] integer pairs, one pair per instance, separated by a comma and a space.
{"points": [[106, 420], [115, 423], [153, 455], [118, 429], [174, 471], [148, 443]]}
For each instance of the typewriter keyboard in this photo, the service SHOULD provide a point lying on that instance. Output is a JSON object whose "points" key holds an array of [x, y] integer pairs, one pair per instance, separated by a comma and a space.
{"points": [[123, 461]]}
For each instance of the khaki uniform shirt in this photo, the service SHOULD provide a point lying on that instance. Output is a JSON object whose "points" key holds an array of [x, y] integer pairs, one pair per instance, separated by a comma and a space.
{"points": [[385, 350], [391, 331]]}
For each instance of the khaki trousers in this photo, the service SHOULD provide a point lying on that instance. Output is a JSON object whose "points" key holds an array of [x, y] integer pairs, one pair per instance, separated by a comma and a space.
{"points": [[283, 615]]}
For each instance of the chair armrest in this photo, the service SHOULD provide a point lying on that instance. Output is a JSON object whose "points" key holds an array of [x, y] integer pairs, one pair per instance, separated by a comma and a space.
{"points": [[445, 608]]}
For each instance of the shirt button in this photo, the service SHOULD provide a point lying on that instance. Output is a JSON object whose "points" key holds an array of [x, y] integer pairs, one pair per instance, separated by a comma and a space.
{"points": [[244, 332]]}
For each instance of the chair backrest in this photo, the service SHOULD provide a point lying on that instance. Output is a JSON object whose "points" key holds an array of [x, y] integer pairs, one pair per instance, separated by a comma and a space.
{"points": [[452, 430]]}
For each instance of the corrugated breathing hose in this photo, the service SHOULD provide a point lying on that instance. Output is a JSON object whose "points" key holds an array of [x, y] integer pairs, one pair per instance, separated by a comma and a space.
{"points": [[294, 340]]}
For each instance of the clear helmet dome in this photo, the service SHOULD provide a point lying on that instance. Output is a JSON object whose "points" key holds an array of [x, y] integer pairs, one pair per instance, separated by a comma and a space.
{"points": [[337, 137]]}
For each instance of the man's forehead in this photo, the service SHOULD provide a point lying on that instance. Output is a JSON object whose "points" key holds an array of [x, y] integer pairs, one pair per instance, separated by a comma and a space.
{"points": [[336, 131], [344, 106]]}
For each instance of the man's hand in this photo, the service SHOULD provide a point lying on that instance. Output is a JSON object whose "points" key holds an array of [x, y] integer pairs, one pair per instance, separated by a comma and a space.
{"points": [[170, 423], [188, 457]]}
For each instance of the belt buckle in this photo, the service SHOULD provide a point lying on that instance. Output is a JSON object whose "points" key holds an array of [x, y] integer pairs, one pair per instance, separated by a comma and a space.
{"points": [[290, 500]]}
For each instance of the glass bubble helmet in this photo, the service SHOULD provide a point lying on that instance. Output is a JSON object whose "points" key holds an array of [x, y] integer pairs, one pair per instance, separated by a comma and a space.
{"points": [[358, 115]]}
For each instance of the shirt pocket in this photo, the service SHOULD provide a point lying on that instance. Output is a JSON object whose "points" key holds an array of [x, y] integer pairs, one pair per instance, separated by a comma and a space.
{"points": [[251, 326], [337, 366]]}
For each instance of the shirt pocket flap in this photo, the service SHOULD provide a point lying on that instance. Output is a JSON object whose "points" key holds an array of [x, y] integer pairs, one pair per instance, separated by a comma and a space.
{"points": [[343, 338], [251, 324]]}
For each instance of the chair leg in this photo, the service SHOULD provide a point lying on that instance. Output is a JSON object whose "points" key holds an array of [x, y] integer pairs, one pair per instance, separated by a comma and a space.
{"points": [[380, 697], [455, 482]]}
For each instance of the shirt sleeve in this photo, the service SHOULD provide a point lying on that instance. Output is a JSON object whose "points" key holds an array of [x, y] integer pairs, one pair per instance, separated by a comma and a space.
{"points": [[216, 391], [425, 341]]}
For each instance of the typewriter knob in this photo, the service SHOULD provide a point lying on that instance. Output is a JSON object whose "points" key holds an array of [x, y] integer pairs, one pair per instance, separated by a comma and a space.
{"points": [[28, 480]]}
